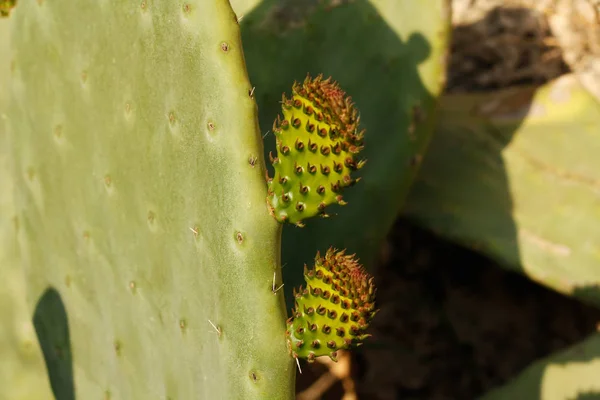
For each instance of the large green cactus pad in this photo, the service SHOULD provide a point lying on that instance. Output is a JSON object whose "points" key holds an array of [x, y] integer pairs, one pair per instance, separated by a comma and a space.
{"points": [[571, 374], [516, 175], [389, 56], [140, 202], [22, 371]]}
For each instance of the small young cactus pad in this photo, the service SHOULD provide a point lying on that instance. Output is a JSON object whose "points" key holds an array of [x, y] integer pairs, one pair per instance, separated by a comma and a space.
{"points": [[335, 309], [6, 6], [317, 140]]}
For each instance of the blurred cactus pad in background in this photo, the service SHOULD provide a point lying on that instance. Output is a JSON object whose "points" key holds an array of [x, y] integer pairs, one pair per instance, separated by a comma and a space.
{"points": [[166, 167]]}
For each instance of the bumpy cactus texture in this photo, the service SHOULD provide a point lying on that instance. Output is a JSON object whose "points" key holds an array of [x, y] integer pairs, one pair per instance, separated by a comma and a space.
{"points": [[571, 374], [140, 221], [389, 56], [317, 140], [333, 312], [22, 372], [515, 174]]}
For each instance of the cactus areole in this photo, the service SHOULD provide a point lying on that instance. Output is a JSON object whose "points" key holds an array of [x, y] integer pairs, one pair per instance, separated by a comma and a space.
{"points": [[317, 141], [334, 310]]}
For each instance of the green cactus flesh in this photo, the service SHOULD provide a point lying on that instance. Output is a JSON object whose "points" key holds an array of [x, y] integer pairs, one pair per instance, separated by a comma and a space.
{"points": [[139, 197], [571, 374], [317, 141], [389, 56], [334, 311], [515, 175], [22, 372]]}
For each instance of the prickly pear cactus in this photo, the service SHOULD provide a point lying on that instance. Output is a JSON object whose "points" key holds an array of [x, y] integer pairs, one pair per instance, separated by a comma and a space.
{"points": [[389, 56], [5, 7], [140, 217], [317, 141], [22, 372], [514, 174], [334, 310], [571, 374]]}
